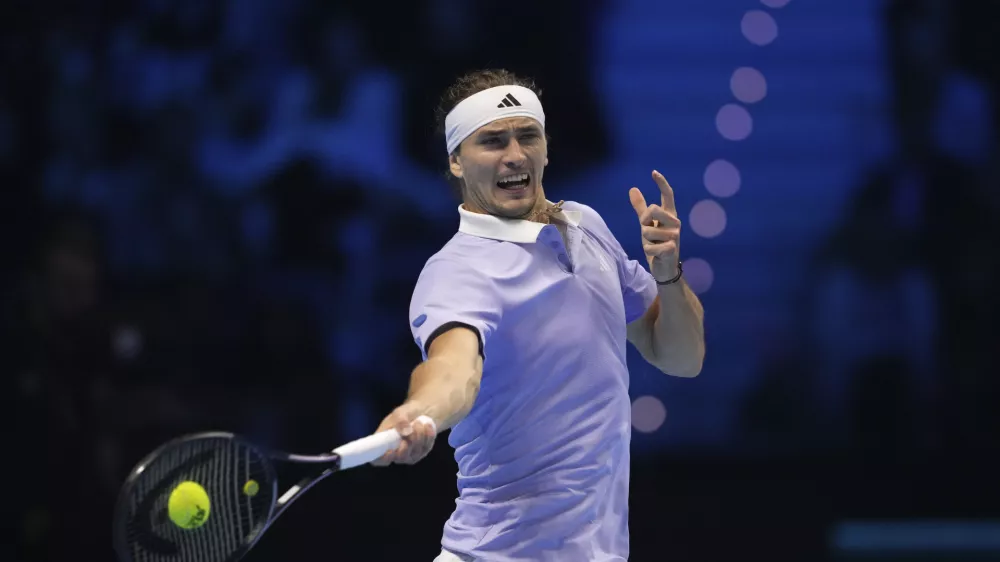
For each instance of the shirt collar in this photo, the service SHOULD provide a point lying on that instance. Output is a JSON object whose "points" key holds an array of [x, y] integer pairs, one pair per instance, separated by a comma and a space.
{"points": [[508, 230]]}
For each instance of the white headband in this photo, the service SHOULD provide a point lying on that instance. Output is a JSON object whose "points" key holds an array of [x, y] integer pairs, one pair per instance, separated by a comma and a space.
{"points": [[488, 106]]}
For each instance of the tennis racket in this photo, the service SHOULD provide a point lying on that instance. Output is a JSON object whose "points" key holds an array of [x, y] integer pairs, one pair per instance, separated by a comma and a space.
{"points": [[236, 481]]}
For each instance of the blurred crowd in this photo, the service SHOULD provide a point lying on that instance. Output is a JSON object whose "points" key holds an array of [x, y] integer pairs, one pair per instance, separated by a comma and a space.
{"points": [[916, 258], [215, 212], [897, 347]]}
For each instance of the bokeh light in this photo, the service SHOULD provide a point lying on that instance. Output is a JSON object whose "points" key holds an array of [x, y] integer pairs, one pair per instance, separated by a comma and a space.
{"points": [[648, 414], [748, 85], [722, 178], [127, 342], [698, 274], [734, 122], [759, 27], [707, 219], [775, 3]]}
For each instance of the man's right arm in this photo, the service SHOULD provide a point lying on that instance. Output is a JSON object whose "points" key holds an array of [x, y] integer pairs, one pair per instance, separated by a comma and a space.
{"points": [[444, 387], [454, 312]]}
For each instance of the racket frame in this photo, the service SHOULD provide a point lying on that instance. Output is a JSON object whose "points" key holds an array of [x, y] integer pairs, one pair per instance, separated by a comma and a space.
{"points": [[278, 504], [355, 453]]}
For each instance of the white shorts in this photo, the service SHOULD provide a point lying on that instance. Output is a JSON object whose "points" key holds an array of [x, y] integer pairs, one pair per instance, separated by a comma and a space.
{"points": [[446, 556]]}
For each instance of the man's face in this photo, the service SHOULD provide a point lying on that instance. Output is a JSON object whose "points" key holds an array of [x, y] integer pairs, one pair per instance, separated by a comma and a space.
{"points": [[501, 165]]}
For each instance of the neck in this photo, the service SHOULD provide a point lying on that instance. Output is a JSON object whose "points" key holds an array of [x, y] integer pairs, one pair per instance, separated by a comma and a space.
{"points": [[540, 212]]}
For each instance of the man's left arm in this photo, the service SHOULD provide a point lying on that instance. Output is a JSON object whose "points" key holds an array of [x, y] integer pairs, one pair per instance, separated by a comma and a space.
{"points": [[670, 335]]}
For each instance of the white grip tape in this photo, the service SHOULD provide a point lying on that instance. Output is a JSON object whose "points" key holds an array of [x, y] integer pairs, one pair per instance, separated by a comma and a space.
{"points": [[365, 450]]}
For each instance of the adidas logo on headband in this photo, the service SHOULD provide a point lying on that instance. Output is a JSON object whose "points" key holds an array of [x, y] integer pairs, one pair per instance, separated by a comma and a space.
{"points": [[508, 101]]}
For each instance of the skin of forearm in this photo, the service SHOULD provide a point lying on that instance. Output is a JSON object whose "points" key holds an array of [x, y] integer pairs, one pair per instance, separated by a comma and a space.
{"points": [[678, 333], [444, 390]]}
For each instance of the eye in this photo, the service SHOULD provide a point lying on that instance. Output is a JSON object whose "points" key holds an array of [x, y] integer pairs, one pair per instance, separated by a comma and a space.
{"points": [[491, 140]]}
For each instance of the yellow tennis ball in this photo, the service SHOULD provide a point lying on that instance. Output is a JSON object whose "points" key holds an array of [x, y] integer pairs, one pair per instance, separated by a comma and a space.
{"points": [[251, 488], [189, 505]]}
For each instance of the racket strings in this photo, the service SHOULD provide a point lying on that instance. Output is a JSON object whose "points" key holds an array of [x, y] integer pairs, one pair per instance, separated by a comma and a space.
{"points": [[222, 467]]}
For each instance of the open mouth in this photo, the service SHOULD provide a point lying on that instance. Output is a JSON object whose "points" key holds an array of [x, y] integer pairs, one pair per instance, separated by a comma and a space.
{"points": [[514, 182]]}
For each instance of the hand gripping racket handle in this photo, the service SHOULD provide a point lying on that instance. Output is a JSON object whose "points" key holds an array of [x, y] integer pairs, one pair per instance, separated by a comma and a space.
{"points": [[365, 450]]}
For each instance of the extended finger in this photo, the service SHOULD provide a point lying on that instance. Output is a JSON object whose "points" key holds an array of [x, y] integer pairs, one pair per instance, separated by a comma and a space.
{"points": [[637, 200], [666, 192]]}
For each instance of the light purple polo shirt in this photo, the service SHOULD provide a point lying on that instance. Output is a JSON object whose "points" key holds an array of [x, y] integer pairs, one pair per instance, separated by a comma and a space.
{"points": [[543, 457]]}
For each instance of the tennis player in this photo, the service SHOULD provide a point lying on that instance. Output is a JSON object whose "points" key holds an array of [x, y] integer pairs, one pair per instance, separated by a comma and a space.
{"points": [[522, 319]]}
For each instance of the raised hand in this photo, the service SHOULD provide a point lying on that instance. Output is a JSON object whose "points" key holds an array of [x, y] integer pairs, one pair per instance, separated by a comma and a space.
{"points": [[661, 229]]}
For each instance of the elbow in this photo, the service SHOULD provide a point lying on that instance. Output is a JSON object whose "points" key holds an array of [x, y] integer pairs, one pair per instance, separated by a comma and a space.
{"points": [[688, 366], [687, 372]]}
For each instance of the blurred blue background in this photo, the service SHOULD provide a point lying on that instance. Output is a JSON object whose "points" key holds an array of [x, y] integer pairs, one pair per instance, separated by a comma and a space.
{"points": [[214, 212]]}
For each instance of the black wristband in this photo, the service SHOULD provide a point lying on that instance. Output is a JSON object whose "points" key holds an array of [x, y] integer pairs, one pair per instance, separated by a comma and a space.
{"points": [[680, 271]]}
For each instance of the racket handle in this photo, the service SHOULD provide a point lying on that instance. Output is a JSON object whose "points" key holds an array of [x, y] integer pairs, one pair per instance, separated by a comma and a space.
{"points": [[365, 450]]}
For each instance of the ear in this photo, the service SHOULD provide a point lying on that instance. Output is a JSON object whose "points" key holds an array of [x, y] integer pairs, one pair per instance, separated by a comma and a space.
{"points": [[455, 165], [546, 161]]}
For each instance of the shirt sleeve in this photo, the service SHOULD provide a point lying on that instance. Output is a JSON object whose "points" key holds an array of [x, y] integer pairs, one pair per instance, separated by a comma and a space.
{"points": [[451, 294], [638, 286]]}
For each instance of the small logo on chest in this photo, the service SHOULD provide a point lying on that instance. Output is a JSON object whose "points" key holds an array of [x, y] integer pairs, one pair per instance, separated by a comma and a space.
{"points": [[603, 262]]}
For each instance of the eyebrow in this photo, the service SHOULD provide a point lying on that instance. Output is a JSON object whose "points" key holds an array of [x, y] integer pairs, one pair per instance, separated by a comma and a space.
{"points": [[497, 132]]}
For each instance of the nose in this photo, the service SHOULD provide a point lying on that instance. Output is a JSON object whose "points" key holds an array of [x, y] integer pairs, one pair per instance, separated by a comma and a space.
{"points": [[514, 157]]}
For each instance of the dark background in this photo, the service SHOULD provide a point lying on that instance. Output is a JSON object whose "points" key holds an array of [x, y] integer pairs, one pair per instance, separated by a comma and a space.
{"points": [[213, 214]]}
